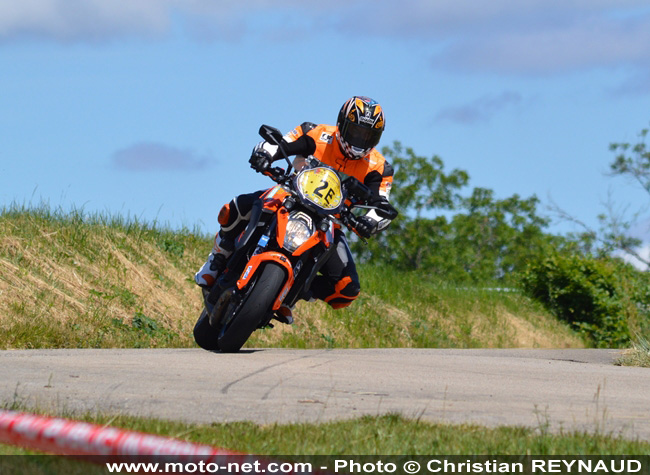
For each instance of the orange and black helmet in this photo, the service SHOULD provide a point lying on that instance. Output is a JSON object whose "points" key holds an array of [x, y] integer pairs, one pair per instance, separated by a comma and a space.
{"points": [[359, 126]]}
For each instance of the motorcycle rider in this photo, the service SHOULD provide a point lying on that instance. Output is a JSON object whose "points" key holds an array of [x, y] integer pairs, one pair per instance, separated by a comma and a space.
{"points": [[349, 148]]}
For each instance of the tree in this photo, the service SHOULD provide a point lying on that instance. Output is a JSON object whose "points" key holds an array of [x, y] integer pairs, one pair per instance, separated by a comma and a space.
{"points": [[632, 161], [473, 237], [615, 223], [636, 165], [497, 237], [420, 184]]}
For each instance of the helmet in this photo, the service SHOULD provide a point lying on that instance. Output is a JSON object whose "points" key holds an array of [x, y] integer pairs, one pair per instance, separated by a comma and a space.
{"points": [[359, 126]]}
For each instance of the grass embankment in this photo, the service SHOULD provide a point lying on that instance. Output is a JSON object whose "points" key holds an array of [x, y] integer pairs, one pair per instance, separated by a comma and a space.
{"points": [[69, 280], [378, 435]]}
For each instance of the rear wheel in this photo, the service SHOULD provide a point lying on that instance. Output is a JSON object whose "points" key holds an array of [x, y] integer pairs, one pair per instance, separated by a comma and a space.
{"points": [[255, 307]]}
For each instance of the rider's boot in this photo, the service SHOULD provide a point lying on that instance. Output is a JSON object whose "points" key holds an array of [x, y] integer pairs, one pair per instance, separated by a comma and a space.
{"points": [[214, 265], [284, 314]]}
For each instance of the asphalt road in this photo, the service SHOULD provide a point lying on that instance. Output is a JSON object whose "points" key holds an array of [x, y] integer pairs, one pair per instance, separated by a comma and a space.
{"points": [[566, 389]]}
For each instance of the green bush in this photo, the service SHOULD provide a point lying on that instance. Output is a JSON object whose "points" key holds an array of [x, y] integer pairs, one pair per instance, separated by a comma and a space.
{"points": [[601, 298]]}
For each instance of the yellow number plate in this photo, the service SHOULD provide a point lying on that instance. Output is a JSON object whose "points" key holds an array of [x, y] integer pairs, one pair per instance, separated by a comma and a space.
{"points": [[321, 186]]}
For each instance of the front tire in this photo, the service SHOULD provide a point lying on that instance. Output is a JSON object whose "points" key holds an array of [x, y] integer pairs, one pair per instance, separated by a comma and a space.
{"points": [[205, 335], [256, 306]]}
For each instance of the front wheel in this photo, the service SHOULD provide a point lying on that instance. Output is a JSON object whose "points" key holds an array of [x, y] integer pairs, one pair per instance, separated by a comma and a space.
{"points": [[205, 335], [255, 307]]}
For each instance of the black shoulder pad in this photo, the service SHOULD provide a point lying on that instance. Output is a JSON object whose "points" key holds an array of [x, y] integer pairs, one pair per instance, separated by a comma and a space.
{"points": [[388, 169], [307, 126]]}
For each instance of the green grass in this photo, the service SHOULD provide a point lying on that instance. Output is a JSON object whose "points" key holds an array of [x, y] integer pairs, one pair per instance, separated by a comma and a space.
{"points": [[46, 465], [379, 435]]}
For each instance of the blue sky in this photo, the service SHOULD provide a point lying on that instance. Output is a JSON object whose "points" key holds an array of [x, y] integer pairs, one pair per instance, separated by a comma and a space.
{"points": [[151, 107]]}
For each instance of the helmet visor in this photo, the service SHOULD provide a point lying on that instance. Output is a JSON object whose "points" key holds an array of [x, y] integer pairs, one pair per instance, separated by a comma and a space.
{"points": [[359, 136]]}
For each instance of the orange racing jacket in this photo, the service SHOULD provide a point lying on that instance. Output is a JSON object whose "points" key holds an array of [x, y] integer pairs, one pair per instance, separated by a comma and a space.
{"points": [[373, 170]]}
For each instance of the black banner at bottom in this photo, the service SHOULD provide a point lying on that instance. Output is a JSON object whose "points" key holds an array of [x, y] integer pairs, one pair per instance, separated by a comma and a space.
{"points": [[322, 465]]}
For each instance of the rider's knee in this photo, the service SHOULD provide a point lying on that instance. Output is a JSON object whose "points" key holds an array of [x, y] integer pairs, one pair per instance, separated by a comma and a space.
{"points": [[224, 215], [345, 292]]}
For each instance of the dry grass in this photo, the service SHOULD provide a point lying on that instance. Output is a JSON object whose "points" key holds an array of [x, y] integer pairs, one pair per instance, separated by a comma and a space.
{"points": [[79, 283], [638, 355]]}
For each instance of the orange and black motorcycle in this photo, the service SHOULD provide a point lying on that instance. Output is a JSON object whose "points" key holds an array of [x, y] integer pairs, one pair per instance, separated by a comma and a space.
{"points": [[287, 241]]}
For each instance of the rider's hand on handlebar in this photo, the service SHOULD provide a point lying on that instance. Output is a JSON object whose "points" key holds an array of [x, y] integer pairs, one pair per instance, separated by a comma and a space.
{"points": [[260, 160], [365, 226]]}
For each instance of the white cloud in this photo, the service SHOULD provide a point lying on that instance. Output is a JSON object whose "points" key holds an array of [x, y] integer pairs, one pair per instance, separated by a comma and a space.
{"points": [[479, 110], [505, 36], [82, 20], [644, 253], [101, 20], [151, 156], [530, 37], [424, 18], [588, 44], [639, 230]]}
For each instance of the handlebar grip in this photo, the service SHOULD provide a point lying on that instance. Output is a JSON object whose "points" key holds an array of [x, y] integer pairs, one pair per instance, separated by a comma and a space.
{"points": [[275, 173]]}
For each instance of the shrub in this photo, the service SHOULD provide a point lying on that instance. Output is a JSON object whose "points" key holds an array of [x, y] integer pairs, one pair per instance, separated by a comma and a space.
{"points": [[600, 297]]}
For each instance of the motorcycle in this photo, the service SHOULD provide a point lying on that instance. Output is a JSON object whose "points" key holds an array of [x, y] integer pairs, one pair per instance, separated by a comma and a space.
{"points": [[289, 237]]}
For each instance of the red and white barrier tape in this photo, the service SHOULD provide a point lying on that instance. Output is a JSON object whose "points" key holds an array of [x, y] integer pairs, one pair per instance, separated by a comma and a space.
{"points": [[68, 437]]}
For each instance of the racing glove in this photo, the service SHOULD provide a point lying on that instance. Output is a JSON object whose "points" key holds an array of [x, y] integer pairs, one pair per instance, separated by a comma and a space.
{"points": [[365, 226], [260, 160]]}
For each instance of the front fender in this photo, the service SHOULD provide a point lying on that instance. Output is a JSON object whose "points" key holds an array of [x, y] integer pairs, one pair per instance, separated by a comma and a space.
{"points": [[254, 264]]}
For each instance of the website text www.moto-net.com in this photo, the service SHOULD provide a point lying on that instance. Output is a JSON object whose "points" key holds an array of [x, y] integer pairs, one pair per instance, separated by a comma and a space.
{"points": [[410, 467], [209, 467]]}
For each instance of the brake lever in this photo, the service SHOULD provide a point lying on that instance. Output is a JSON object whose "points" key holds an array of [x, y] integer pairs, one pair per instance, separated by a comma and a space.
{"points": [[349, 220]]}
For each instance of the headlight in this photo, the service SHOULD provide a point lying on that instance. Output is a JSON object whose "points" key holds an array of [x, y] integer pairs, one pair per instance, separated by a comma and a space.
{"points": [[299, 229]]}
